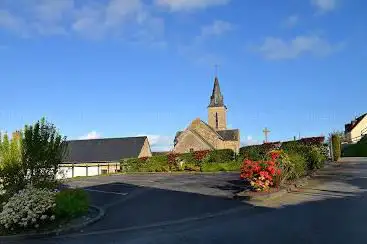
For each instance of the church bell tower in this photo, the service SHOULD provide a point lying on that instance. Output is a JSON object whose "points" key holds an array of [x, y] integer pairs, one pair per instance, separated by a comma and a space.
{"points": [[217, 111]]}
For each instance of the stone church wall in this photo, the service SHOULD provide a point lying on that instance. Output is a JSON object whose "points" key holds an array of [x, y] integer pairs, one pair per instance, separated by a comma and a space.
{"points": [[188, 142]]}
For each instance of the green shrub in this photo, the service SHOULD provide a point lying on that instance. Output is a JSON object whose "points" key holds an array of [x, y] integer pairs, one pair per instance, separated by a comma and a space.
{"points": [[219, 156], [187, 158], [356, 150], [31, 157], [256, 152], [158, 164], [191, 167], [71, 203], [133, 165], [43, 150], [315, 158], [314, 155], [336, 146], [300, 164], [225, 167]]}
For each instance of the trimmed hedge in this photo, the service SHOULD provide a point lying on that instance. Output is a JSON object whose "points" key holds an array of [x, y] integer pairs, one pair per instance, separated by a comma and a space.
{"points": [[177, 162], [258, 152], [308, 153], [356, 150]]}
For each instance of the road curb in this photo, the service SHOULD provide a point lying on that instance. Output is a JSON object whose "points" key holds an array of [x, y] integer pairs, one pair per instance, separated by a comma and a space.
{"points": [[59, 231]]}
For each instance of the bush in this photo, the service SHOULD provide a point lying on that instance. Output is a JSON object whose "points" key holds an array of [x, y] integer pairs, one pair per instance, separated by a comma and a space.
{"points": [[261, 174], [257, 152], [191, 167], [29, 208], [314, 155], [217, 167], [336, 146], [43, 149], [31, 157], [219, 156], [300, 164], [71, 203], [187, 158], [286, 166], [356, 150], [315, 158], [11, 170], [159, 164]]}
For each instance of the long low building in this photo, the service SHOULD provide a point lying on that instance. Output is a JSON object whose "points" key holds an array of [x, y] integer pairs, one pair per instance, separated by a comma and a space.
{"points": [[101, 156]]}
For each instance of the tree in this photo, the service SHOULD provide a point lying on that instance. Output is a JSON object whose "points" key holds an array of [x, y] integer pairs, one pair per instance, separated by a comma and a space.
{"points": [[43, 149]]}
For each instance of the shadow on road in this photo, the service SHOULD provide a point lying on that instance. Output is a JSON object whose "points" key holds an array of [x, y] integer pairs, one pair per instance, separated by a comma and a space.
{"points": [[336, 216]]}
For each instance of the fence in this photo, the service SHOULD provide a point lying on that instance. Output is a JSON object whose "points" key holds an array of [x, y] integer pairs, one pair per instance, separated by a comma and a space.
{"points": [[88, 169]]}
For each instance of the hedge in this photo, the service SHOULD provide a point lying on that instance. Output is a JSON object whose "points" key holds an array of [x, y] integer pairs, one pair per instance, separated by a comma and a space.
{"points": [[312, 149], [176, 162], [356, 150]]}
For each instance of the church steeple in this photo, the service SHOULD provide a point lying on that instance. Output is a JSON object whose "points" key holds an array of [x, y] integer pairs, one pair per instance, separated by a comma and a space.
{"points": [[217, 111], [216, 99]]}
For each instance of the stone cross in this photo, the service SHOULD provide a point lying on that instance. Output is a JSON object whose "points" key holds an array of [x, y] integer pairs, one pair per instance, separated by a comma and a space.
{"points": [[266, 133]]}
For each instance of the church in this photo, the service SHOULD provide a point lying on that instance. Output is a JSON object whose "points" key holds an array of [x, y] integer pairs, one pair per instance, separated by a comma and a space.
{"points": [[214, 135]]}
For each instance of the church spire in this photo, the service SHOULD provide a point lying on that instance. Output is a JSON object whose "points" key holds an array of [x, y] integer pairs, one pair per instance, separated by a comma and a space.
{"points": [[216, 99]]}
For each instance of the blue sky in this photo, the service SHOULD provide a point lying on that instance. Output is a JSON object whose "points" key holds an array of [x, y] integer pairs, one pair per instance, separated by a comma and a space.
{"points": [[145, 67]]}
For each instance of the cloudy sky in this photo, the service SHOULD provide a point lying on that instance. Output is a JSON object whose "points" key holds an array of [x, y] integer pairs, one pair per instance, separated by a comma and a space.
{"points": [[110, 68]]}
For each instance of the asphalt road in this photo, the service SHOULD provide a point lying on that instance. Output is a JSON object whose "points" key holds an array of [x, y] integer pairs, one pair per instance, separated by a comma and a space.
{"points": [[331, 209]]}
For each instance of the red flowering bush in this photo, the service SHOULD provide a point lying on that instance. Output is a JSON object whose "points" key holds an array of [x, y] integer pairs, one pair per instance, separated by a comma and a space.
{"points": [[172, 160], [261, 174], [200, 155]]}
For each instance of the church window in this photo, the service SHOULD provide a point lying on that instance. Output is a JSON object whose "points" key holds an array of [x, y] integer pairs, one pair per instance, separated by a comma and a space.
{"points": [[216, 121]]}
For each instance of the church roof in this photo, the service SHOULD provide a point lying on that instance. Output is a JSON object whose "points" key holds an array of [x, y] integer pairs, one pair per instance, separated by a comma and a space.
{"points": [[216, 99], [229, 135], [103, 150]]}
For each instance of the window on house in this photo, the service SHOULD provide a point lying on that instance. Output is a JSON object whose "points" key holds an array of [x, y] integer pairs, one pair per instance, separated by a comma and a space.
{"points": [[191, 150]]}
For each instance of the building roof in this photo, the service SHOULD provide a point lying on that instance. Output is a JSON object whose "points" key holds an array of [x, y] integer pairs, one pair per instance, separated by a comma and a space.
{"points": [[225, 135], [349, 127], [103, 150], [216, 99], [229, 135]]}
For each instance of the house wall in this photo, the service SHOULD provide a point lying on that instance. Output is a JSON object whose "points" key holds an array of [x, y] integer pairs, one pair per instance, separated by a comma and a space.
{"points": [[355, 134], [145, 151], [222, 117], [66, 171]]}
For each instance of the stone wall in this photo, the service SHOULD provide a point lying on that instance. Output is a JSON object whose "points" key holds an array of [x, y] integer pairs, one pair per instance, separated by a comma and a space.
{"points": [[190, 141], [145, 151]]}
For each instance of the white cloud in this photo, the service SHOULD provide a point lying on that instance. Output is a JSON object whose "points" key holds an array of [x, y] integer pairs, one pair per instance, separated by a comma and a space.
{"points": [[217, 28], [324, 5], [9, 21], [91, 135], [250, 141], [291, 21], [160, 143], [188, 5], [125, 19], [276, 48]]}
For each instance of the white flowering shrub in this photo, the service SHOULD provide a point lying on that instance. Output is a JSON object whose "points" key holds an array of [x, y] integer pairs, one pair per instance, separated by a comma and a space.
{"points": [[28, 209]]}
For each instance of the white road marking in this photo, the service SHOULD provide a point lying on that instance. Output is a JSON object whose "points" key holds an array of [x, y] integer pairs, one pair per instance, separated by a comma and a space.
{"points": [[108, 192]]}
